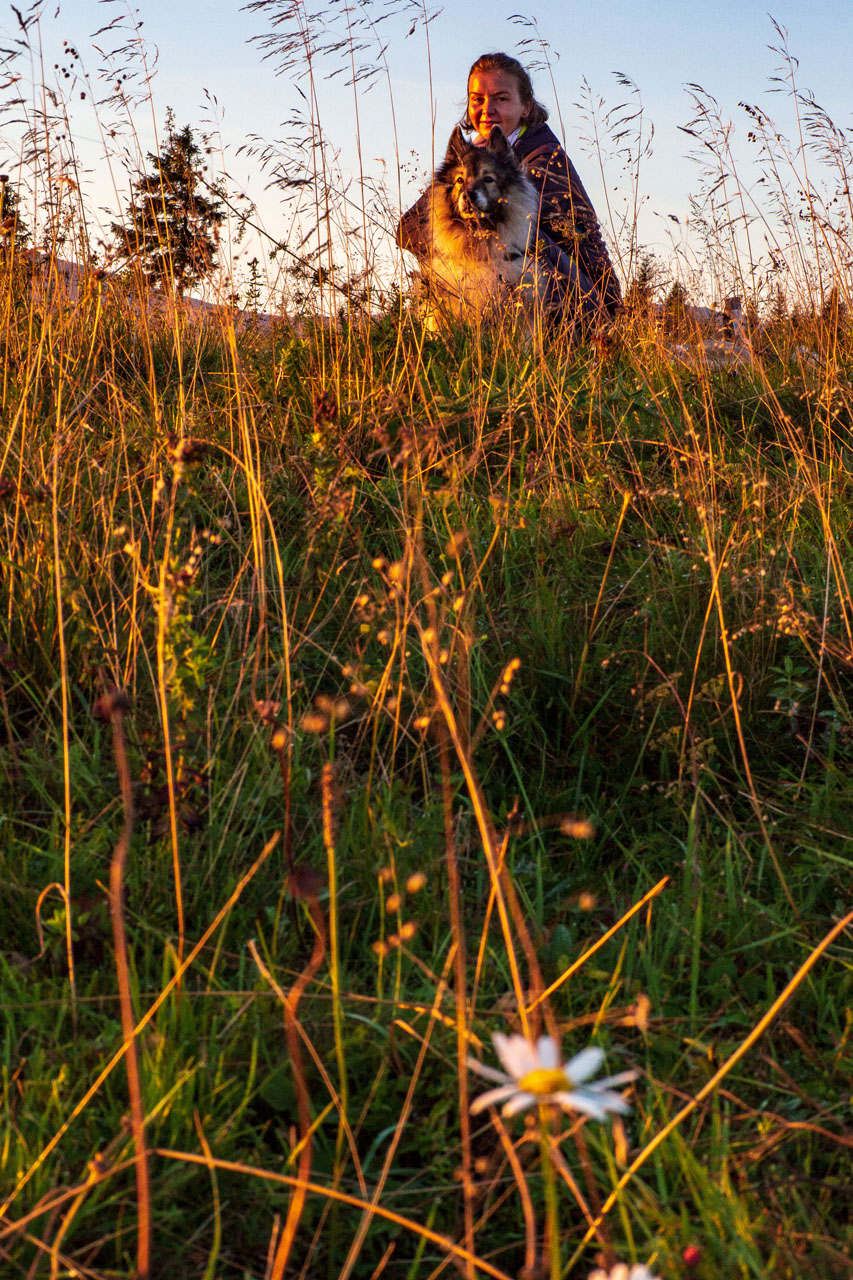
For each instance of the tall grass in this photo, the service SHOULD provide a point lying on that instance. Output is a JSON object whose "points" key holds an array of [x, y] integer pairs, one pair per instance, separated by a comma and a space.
{"points": [[366, 692]]}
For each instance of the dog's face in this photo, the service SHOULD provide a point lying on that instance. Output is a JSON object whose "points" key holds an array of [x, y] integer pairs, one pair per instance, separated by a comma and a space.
{"points": [[479, 179]]}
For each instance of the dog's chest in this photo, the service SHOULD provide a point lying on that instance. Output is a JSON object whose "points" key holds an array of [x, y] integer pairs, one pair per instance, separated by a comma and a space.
{"points": [[478, 265]]}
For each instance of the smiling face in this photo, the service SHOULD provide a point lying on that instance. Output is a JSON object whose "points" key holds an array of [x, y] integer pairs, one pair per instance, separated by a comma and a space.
{"points": [[494, 98]]}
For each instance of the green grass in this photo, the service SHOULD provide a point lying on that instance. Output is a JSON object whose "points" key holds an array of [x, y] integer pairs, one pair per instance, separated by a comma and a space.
{"points": [[664, 555]]}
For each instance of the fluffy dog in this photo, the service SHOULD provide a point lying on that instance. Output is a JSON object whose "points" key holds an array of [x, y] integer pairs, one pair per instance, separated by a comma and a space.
{"points": [[478, 231]]}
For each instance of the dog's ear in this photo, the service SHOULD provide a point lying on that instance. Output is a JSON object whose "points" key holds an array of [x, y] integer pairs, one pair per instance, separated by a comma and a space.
{"points": [[497, 143], [456, 147]]}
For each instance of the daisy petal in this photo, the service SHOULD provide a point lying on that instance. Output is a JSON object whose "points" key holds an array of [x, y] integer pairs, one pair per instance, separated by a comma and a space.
{"points": [[488, 1073], [584, 1064], [505, 1049], [621, 1272], [609, 1101], [491, 1097], [516, 1053], [549, 1054], [520, 1102], [624, 1077], [585, 1102]]}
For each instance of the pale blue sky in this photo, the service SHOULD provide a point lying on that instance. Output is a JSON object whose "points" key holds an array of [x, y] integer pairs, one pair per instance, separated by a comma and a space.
{"points": [[661, 45]]}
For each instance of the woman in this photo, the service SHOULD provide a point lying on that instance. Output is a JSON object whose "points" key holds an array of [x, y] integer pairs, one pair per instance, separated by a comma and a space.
{"points": [[500, 93]]}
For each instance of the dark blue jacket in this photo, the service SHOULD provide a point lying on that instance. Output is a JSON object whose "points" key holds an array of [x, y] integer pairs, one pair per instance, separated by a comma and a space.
{"points": [[566, 214]]}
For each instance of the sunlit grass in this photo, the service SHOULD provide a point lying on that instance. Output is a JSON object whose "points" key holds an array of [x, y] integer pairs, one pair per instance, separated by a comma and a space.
{"points": [[476, 685]]}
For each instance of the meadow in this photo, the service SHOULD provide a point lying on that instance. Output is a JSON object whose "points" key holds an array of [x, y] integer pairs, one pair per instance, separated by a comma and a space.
{"points": [[367, 692]]}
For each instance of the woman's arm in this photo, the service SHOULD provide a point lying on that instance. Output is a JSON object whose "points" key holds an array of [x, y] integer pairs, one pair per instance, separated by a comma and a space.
{"points": [[564, 287], [413, 231], [567, 216]]}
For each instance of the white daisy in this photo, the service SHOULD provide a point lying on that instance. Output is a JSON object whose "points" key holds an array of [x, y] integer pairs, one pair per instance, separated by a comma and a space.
{"points": [[534, 1074], [623, 1272]]}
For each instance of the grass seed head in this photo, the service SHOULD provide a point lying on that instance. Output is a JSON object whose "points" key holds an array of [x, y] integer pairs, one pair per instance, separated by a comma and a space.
{"points": [[577, 828]]}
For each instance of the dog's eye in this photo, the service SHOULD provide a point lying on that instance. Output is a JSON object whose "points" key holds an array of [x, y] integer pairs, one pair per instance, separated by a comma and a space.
{"points": [[458, 180], [489, 180]]}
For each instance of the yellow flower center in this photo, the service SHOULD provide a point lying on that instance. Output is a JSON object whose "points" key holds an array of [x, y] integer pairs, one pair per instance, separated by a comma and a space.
{"points": [[545, 1080]]}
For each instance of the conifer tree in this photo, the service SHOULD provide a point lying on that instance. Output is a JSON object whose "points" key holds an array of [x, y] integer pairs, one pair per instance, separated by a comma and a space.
{"points": [[13, 230], [675, 308], [833, 313], [640, 293], [171, 228]]}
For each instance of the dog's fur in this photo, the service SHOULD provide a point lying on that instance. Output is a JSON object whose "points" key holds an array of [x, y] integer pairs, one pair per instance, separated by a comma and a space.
{"points": [[483, 225]]}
